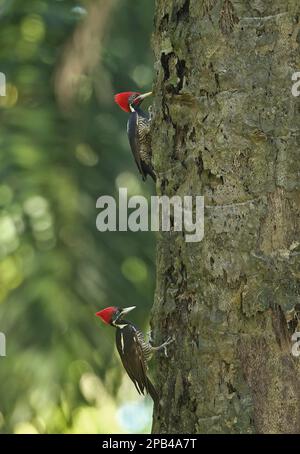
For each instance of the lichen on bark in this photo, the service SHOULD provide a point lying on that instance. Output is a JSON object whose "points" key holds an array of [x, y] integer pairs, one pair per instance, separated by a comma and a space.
{"points": [[226, 126]]}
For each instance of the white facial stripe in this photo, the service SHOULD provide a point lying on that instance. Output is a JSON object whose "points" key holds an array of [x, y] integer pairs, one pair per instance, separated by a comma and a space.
{"points": [[122, 342], [121, 326]]}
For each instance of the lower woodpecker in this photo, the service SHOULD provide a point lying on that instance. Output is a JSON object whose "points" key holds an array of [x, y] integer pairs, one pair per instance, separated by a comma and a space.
{"points": [[133, 349]]}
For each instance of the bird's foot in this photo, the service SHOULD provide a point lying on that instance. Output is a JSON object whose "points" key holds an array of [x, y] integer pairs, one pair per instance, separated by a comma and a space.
{"points": [[168, 341], [164, 346]]}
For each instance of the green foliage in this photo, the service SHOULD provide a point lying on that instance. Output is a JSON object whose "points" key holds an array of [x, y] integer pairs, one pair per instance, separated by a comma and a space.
{"points": [[61, 372]]}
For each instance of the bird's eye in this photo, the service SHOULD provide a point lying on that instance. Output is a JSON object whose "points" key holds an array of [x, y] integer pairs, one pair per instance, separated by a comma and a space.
{"points": [[134, 99]]}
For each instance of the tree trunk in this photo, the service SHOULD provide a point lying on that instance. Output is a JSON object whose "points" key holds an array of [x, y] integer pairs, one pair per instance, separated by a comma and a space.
{"points": [[226, 126]]}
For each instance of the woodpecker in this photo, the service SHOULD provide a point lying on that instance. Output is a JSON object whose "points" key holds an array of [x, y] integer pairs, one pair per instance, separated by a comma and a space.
{"points": [[138, 130], [133, 349]]}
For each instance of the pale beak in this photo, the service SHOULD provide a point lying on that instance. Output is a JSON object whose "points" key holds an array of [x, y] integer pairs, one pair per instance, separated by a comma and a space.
{"points": [[127, 309], [145, 95]]}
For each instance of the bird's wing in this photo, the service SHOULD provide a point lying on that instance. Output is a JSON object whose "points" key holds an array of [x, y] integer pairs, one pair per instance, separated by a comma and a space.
{"points": [[132, 356], [132, 131]]}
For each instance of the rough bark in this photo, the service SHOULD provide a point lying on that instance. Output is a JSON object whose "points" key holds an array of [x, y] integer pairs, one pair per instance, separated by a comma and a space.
{"points": [[226, 126]]}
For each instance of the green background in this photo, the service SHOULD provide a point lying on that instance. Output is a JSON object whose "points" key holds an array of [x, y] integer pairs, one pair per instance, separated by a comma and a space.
{"points": [[61, 372]]}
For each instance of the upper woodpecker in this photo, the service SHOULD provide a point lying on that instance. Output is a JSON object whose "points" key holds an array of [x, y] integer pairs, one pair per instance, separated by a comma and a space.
{"points": [[132, 347], [138, 130]]}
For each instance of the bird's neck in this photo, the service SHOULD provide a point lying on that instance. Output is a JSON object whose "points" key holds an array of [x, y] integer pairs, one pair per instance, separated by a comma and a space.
{"points": [[138, 110], [122, 324]]}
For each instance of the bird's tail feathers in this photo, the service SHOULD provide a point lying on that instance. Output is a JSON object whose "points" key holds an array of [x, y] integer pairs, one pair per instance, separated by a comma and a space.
{"points": [[153, 393]]}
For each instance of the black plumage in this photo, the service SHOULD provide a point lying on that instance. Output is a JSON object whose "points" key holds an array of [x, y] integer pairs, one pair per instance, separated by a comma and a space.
{"points": [[134, 351], [138, 130]]}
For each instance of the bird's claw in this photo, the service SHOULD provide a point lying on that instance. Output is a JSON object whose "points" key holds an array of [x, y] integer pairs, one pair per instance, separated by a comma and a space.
{"points": [[168, 342]]}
